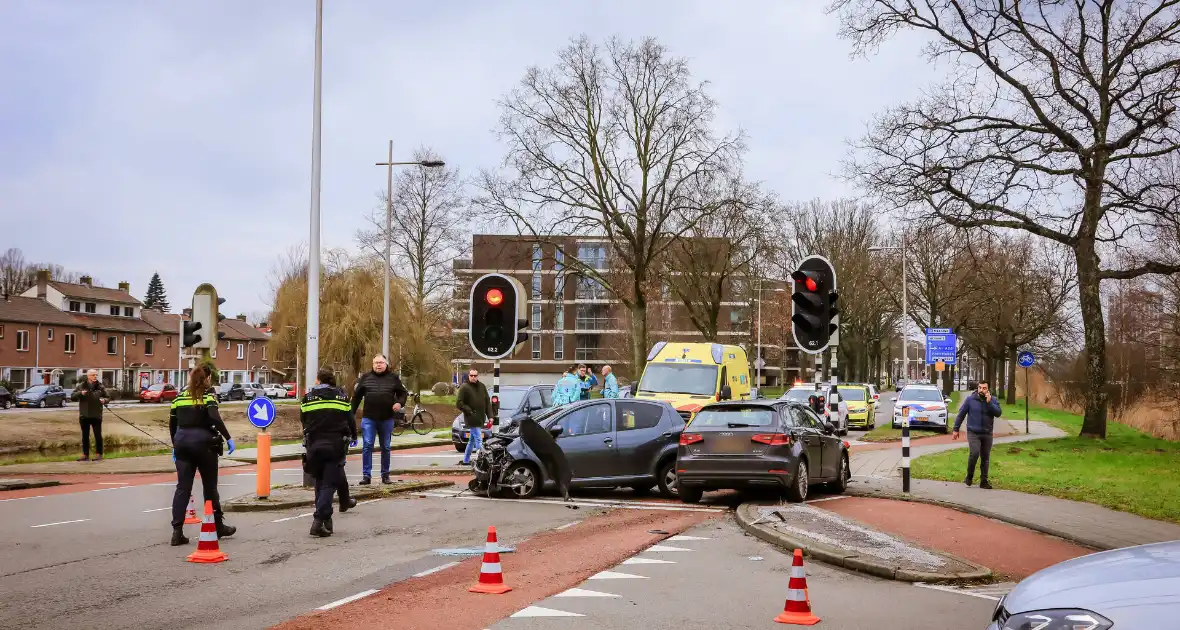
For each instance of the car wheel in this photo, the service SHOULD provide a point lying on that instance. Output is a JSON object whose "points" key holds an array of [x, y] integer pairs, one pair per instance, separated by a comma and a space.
{"points": [[943, 430], [525, 480], [841, 483], [691, 495], [41, 403], [641, 489], [460, 447], [666, 478], [797, 492]]}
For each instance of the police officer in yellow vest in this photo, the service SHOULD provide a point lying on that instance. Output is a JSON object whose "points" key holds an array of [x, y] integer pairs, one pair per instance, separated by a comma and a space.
{"points": [[196, 428], [329, 427]]}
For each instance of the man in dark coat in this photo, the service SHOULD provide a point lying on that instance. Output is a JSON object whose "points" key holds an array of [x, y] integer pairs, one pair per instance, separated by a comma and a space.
{"points": [[383, 396], [473, 400], [91, 396], [980, 409]]}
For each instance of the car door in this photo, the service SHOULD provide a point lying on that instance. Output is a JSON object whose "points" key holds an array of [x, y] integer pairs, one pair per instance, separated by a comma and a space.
{"points": [[639, 436], [533, 402], [830, 452], [812, 430], [588, 441]]}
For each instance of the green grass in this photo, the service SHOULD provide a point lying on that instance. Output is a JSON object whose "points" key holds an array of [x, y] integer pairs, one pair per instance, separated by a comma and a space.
{"points": [[1128, 471], [111, 452], [886, 433], [437, 400]]}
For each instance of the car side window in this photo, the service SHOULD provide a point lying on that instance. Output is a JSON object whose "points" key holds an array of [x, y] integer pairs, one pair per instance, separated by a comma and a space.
{"points": [[534, 400], [587, 420], [637, 415], [786, 416], [805, 418], [546, 398]]}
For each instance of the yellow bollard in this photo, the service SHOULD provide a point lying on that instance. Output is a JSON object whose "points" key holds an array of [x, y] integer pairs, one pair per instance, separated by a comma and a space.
{"points": [[263, 477]]}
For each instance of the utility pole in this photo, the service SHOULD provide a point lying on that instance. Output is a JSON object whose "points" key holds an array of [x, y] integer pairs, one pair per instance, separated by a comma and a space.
{"points": [[313, 258]]}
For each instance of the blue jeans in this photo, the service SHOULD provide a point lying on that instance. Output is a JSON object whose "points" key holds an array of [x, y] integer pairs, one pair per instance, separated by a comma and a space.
{"points": [[369, 435], [474, 441]]}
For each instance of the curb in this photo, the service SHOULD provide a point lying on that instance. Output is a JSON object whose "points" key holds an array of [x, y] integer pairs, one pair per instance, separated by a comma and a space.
{"points": [[285, 457], [360, 494], [21, 484], [971, 509], [747, 515], [435, 470]]}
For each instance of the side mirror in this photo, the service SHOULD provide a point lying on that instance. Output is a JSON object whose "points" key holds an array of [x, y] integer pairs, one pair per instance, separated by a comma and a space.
{"points": [[829, 427], [726, 392], [555, 431], [947, 400]]}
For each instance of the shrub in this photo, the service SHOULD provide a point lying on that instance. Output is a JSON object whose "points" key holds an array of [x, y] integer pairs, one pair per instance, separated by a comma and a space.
{"points": [[442, 389]]}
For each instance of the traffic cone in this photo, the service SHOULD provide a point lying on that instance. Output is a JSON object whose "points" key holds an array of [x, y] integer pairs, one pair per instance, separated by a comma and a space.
{"points": [[190, 517], [207, 549], [797, 610], [491, 579]]}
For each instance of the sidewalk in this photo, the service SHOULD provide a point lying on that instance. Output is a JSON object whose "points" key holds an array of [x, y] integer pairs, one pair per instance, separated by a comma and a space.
{"points": [[285, 452], [115, 466]]}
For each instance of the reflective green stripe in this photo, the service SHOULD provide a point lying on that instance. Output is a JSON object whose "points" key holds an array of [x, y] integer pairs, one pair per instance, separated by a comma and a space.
{"points": [[185, 400], [339, 405]]}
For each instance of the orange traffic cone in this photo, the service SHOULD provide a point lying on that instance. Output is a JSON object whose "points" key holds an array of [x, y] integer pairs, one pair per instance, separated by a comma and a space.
{"points": [[207, 549], [491, 579], [797, 610], [190, 517]]}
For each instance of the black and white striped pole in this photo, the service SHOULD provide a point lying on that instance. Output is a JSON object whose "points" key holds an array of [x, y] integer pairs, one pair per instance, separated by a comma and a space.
{"points": [[905, 453], [496, 396]]}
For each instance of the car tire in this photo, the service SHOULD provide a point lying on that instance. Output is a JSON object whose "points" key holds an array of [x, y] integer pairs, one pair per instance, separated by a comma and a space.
{"points": [[641, 489], [943, 430], [666, 479], [798, 490], [841, 483], [691, 495], [41, 404], [460, 447], [520, 466]]}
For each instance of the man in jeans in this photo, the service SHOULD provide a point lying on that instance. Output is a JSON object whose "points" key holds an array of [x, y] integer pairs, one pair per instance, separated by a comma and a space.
{"points": [[980, 409], [383, 396], [475, 403], [91, 396]]}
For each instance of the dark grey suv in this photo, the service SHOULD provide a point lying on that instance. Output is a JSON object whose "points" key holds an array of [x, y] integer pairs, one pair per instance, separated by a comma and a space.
{"points": [[516, 402]]}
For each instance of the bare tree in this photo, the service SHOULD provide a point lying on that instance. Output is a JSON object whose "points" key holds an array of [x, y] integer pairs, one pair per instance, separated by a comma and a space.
{"points": [[612, 142], [14, 272], [1058, 120]]}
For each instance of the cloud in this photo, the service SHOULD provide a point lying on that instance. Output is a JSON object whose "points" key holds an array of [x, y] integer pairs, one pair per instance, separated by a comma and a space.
{"points": [[176, 136]]}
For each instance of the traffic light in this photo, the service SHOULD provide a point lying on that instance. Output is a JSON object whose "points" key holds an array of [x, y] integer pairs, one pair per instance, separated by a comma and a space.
{"points": [[495, 319], [201, 331], [813, 304], [191, 336]]}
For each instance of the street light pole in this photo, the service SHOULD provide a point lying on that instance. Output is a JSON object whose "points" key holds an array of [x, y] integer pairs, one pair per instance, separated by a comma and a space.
{"points": [[313, 262], [758, 343], [905, 338]]}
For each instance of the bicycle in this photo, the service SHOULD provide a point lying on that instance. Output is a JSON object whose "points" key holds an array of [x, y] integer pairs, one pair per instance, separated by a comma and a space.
{"points": [[420, 420]]}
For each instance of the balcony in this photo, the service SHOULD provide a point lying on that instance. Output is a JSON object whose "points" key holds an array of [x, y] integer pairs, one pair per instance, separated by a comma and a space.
{"points": [[594, 323], [586, 354]]}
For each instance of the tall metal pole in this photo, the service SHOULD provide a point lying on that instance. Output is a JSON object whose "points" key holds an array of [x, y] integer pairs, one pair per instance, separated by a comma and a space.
{"points": [[388, 247], [905, 337], [758, 346], [313, 258]]}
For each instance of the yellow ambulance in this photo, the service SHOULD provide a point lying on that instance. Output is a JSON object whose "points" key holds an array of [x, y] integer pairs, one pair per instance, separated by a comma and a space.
{"points": [[692, 375]]}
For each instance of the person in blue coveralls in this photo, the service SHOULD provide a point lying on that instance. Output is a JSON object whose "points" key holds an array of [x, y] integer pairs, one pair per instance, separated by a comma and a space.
{"points": [[567, 389], [610, 384]]}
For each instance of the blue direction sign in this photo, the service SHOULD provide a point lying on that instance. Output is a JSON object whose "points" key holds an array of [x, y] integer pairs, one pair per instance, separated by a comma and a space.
{"points": [[1026, 359], [941, 345], [261, 412]]}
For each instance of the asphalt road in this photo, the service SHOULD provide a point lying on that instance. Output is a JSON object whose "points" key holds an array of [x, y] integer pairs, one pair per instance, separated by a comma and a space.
{"points": [[727, 579]]}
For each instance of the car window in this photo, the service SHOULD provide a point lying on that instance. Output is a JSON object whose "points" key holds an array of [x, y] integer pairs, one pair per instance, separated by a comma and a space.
{"points": [[586, 421], [169, 388], [805, 418], [799, 394], [637, 415], [852, 393], [546, 397], [725, 416], [535, 399], [921, 394]]}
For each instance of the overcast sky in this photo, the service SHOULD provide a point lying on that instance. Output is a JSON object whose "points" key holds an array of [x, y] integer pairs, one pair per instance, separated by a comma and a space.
{"points": [[175, 136]]}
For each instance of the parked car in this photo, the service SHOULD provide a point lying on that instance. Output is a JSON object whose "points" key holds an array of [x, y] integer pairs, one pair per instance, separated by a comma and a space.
{"points": [[6, 398], [516, 402], [802, 393], [251, 391], [1133, 587], [231, 391], [861, 413], [873, 392], [899, 385], [274, 390], [159, 393], [930, 409], [42, 396], [609, 443], [290, 387], [760, 444]]}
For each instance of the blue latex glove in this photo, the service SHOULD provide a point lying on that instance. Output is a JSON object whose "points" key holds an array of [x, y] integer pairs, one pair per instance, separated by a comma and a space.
{"points": [[173, 456], [352, 444], [230, 442]]}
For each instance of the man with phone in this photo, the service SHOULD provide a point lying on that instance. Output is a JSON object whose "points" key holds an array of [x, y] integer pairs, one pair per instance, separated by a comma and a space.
{"points": [[980, 409]]}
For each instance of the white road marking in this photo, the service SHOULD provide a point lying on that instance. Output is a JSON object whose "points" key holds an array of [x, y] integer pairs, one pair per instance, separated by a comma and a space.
{"points": [[825, 499], [981, 593], [580, 503], [567, 525], [666, 548], [441, 567], [352, 598], [614, 575], [370, 501], [681, 537], [291, 518], [157, 510], [647, 561], [81, 520], [40, 496], [581, 592], [537, 611]]}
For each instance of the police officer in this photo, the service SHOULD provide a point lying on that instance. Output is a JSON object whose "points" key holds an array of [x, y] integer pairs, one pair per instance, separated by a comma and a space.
{"points": [[196, 428], [329, 426]]}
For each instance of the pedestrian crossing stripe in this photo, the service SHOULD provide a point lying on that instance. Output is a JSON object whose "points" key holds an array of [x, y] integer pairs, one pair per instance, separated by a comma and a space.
{"points": [[613, 575], [666, 548], [581, 592], [681, 538], [647, 561], [538, 611]]}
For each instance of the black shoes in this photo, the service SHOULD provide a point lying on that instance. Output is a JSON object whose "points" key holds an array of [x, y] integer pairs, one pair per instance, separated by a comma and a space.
{"points": [[328, 525], [347, 505], [318, 529], [386, 480], [364, 481], [985, 485], [178, 537], [225, 531], [967, 481]]}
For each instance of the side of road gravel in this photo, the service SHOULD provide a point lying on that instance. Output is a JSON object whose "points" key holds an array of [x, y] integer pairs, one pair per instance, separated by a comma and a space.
{"points": [[24, 484], [845, 543], [287, 497]]}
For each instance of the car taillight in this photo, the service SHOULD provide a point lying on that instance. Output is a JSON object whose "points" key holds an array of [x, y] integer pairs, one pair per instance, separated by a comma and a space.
{"points": [[717, 396], [690, 438], [772, 439]]}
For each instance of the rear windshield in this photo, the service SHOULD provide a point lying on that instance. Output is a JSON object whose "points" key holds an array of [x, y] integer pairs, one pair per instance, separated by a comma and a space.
{"points": [[799, 395], [851, 393], [921, 394], [733, 417]]}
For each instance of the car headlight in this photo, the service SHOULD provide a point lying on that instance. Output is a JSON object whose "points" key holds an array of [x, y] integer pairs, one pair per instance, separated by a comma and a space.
{"points": [[1057, 619]]}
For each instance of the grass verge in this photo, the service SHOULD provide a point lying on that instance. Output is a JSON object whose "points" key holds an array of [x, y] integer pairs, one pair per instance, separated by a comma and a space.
{"points": [[115, 451], [886, 433], [1129, 471]]}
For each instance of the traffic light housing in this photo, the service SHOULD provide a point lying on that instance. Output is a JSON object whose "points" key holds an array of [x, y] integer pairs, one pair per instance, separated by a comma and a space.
{"points": [[495, 316], [201, 331], [814, 316]]}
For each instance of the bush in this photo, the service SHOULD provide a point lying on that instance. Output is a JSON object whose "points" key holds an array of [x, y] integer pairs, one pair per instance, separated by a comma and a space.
{"points": [[442, 389]]}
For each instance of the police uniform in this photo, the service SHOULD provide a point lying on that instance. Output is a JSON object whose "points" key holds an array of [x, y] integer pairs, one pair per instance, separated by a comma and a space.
{"points": [[328, 426], [196, 429]]}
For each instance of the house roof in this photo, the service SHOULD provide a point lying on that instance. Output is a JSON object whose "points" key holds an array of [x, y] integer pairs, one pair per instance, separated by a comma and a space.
{"points": [[32, 310], [164, 322], [114, 323], [238, 329], [98, 294]]}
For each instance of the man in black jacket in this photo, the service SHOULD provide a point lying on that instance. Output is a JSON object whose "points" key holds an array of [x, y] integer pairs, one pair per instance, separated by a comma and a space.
{"points": [[980, 409], [91, 396], [329, 426], [383, 396]]}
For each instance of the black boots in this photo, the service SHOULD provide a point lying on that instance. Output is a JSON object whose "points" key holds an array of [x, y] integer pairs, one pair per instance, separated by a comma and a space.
{"points": [[178, 537], [318, 529], [328, 525], [967, 481], [364, 481], [347, 505], [985, 485], [385, 479], [223, 530]]}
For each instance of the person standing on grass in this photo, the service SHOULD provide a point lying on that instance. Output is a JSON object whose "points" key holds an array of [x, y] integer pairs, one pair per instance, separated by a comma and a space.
{"points": [[91, 396], [475, 403], [980, 409], [383, 396]]}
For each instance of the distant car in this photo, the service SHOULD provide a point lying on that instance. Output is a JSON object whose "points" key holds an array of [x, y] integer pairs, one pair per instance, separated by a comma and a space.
{"points": [[899, 385], [930, 409], [251, 391], [274, 390], [760, 444], [42, 396], [516, 402], [291, 393], [861, 413], [231, 391], [801, 393], [6, 398], [159, 393], [1133, 587], [873, 392]]}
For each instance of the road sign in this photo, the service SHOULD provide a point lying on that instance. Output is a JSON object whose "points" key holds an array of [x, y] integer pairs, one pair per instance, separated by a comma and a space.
{"points": [[261, 412], [941, 345], [939, 366], [759, 363], [1026, 359]]}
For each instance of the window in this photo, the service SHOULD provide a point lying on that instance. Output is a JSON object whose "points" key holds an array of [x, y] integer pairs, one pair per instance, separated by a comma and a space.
{"points": [[167, 342], [93, 337], [536, 317], [587, 420], [587, 349], [241, 351], [227, 345], [637, 415], [114, 310], [75, 306], [680, 378], [1, 331], [537, 285], [593, 317], [149, 346], [263, 353], [536, 347], [71, 343], [112, 345], [558, 347], [213, 355], [559, 317], [128, 311], [592, 255], [536, 257], [133, 339], [559, 259], [730, 417], [22, 340], [91, 307], [535, 401], [590, 289], [547, 397], [559, 287], [49, 334]]}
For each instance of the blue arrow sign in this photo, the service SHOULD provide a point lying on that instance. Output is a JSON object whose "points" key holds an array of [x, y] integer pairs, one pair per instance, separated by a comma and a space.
{"points": [[1026, 359], [261, 412], [941, 345]]}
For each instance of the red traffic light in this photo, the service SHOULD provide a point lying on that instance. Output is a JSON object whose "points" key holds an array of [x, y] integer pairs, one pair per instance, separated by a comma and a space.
{"points": [[811, 285], [806, 279], [495, 297]]}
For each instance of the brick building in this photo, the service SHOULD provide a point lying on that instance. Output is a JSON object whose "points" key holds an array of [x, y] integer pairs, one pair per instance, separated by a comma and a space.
{"points": [[573, 319]]}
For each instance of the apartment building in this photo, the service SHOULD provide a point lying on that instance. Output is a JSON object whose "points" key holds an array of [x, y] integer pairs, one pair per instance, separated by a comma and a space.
{"points": [[574, 319]]}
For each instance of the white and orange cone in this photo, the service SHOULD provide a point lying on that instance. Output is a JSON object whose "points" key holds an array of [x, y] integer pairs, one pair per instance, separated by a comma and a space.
{"points": [[207, 548], [797, 610], [190, 517], [491, 577]]}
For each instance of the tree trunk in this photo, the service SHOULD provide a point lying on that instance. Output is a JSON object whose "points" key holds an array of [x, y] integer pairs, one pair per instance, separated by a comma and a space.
{"points": [[639, 345], [1090, 300], [1010, 382]]}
